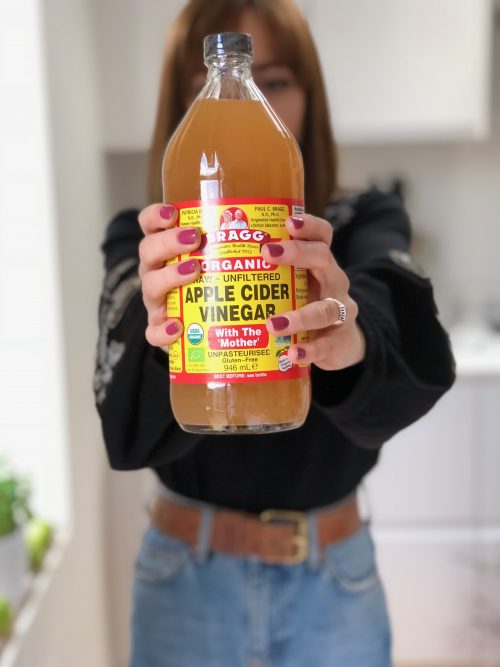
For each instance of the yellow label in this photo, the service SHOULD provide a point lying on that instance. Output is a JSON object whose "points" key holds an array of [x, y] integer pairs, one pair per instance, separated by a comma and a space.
{"points": [[225, 337]]}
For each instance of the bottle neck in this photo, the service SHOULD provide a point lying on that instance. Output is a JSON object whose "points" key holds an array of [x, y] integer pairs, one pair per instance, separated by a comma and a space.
{"points": [[223, 64], [230, 77], [235, 69]]}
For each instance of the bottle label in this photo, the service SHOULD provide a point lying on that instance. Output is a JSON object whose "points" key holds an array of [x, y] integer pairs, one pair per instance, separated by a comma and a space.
{"points": [[224, 311]]}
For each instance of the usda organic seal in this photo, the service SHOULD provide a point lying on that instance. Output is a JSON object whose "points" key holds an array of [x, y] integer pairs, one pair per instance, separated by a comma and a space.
{"points": [[195, 334]]}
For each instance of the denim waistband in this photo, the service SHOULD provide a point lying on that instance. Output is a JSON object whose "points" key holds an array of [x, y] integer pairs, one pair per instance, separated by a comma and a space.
{"points": [[208, 510]]}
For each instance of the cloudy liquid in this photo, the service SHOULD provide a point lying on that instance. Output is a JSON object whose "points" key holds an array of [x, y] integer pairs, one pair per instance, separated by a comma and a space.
{"points": [[235, 148]]}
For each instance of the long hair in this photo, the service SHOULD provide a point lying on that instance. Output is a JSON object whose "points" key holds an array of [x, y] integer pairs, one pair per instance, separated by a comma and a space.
{"points": [[183, 57]]}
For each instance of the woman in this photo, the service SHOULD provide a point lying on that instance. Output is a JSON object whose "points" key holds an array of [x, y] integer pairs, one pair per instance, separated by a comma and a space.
{"points": [[219, 579]]}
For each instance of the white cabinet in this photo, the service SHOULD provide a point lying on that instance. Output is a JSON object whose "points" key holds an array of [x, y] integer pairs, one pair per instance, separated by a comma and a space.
{"points": [[396, 70], [488, 427], [444, 470], [425, 473], [405, 70]]}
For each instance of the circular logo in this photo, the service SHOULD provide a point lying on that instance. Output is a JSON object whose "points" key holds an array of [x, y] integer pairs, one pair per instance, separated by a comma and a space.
{"points": [[284, 363], [195, 334]]}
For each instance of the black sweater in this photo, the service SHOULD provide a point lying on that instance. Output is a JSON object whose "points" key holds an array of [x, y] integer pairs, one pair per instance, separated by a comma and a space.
{"points": [[407, 368]]}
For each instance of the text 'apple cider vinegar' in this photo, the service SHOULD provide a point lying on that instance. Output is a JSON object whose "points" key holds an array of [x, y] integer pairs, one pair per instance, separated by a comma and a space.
{"points": [[234, 170]]}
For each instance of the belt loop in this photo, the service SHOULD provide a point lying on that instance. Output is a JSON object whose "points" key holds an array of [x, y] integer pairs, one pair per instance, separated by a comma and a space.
{"points": [[204, 533], [314, 555]]}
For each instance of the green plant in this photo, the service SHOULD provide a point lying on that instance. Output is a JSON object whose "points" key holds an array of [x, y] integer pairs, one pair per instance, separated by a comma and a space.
{"points": [[6, 616], [15, 493], [37, 539]]}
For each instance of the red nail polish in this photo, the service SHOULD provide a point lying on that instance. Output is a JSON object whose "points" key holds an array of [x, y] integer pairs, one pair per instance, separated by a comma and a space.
{"points": [[275, 249], [172, 328], [187, 236], [280, 323], [297, 222], [166, 212], [301, 353], [187, 267]]}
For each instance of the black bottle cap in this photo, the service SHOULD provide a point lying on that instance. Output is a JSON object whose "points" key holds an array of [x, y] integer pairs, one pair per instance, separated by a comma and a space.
{"points": [[227, 43]]}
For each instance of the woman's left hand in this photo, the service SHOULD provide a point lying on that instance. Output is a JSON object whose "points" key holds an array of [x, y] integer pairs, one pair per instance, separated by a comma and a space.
{"points": [[332, 345]]}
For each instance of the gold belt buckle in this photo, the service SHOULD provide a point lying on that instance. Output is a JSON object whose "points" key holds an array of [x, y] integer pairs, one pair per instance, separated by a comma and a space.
{"points": [[300, 539]]}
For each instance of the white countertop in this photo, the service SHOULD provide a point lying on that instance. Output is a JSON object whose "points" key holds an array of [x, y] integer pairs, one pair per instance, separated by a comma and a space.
{"points": [[476, 349]]}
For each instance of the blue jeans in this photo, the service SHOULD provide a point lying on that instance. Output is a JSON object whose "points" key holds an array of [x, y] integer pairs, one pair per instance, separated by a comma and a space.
{"points": [[199, 608]]}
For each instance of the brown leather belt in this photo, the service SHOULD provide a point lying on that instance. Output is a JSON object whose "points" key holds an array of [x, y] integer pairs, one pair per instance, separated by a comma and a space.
{"points": [[276, 536]]}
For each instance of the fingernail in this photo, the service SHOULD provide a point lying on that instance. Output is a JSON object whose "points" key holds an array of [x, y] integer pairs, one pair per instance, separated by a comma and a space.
{"points": [[301, 353], [275, 249], [297, 222], [280, 323], [166, 212], [172, 328], [187, 267], [187, 236]]}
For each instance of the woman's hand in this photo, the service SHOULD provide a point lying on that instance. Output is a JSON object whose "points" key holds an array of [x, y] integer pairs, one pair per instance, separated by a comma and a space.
{"points": [[163, 241], [331, 346]]}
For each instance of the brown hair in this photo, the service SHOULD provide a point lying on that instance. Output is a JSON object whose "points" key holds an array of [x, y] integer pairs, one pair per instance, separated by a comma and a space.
{"points": [[297, 50]]}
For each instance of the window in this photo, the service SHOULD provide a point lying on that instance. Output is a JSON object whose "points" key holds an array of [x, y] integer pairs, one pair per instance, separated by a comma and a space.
{"points": [[32, 404]]}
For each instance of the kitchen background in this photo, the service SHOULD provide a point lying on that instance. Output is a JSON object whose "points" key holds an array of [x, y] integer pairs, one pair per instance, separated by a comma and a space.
{"points": [[415, 96]]}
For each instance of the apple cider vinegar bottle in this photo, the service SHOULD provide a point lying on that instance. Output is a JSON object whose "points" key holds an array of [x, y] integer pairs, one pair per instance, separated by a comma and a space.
{"points": [[234, 170]]}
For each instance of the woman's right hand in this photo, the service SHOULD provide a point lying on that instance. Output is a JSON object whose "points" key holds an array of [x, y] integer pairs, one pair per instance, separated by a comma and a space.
{"points": [[163, 241]]}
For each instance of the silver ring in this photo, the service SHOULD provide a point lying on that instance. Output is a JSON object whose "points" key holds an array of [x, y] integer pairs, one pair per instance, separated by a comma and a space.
{"points": [[342, 310]]}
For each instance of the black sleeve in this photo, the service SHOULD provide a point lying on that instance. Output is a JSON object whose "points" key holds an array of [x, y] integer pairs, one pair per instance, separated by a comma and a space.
{"points": [[131, 381], [408, 364]]}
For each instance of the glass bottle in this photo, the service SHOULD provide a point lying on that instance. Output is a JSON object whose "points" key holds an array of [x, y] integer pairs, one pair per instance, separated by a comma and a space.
{"points": [[234, 170]]}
